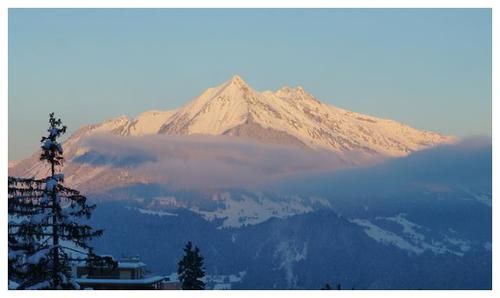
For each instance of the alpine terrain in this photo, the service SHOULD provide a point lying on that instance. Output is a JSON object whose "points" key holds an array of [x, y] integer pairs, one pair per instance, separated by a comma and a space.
{"points": [[280, 190]]}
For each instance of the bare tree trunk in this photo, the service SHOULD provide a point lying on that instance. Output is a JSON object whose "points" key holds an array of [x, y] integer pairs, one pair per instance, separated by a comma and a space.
{"points": [[55, 235]]}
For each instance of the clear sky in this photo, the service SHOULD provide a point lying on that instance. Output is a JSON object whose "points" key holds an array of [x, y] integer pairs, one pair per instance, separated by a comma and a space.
{"points": [[429, 68]]}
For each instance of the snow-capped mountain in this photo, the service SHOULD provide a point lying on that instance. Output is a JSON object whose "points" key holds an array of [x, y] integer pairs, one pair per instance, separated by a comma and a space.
{"points": [[293, 116], [288, 117]]}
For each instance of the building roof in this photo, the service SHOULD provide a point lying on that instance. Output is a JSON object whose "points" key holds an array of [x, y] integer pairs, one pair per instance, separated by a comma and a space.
{"points": [[142, 281], [130, 265], [121, 264]]}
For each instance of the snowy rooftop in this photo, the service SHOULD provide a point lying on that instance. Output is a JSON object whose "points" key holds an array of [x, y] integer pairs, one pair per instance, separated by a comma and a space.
{"points": [[142, 281], [124, 264], [130, 265]]}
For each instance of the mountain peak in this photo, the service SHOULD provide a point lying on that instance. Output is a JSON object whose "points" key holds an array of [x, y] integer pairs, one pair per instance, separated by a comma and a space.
{"points": [[237, 81], [236, 78]]}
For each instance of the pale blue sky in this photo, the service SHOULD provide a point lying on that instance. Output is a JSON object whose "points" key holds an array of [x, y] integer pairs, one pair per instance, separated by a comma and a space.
{"points": [[430, 68]]}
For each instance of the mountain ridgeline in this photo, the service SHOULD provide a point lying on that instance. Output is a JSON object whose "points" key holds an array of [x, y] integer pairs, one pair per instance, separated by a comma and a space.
{"points": [[288, 116]]}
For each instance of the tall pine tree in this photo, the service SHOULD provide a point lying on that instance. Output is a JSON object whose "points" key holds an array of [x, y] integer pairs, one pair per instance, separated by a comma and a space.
{"points": [[45, 234], [191, 269]]}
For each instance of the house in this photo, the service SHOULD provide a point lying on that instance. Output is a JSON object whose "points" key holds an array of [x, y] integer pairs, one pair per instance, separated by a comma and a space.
{"points": [[128, 274]]}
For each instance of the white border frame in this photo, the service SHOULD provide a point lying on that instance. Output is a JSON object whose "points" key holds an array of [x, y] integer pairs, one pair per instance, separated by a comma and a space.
{"points": [[6, 4]]}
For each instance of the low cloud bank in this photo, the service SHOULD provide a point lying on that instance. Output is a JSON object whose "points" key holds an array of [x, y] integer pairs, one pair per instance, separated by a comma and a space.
{"points": [[205, 161], [466, 165], [225, 162]]}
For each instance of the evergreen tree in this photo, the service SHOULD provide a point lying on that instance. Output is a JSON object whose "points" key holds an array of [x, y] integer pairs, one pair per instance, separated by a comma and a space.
{"points": [[44, 231], [327, 287], [191, 269]]}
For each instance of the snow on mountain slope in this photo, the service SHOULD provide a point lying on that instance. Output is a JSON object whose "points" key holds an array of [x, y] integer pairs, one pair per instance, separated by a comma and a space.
{"points": [[214, 111], [410, 239], [237, 210], [147, 123], [293, 116]]}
